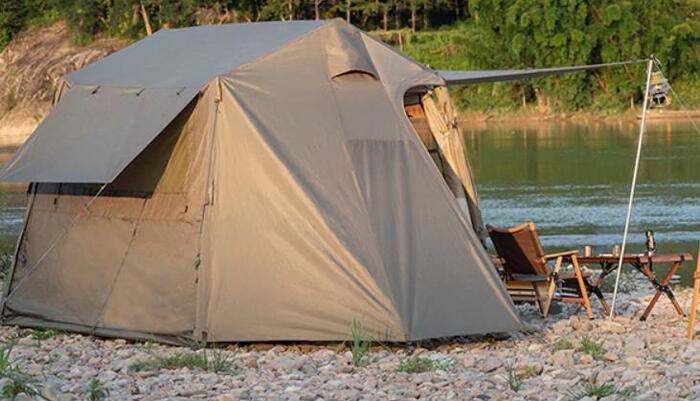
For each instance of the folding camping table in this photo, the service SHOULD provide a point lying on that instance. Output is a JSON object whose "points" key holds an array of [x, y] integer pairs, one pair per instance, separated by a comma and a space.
{"points": [[645, 265]]}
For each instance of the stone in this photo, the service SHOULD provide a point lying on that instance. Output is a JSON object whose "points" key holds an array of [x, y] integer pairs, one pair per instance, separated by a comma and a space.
{"points": [[585, 359], [607, 326], [633, 362], [610, 357], [562, 358]]}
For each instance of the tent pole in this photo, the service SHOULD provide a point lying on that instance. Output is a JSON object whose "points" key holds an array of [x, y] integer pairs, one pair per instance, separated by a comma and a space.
{"points": [[642, 127]]}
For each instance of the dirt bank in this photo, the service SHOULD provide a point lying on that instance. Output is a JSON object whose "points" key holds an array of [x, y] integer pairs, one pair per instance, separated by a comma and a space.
{"points": [[30, 68]]}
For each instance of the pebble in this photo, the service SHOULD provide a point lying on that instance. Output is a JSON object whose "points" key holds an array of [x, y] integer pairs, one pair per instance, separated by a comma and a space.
{"points": [[652, 358]]}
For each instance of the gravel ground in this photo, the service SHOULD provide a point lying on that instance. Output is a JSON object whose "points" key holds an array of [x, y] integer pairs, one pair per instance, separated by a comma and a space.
{"points": [[561, 358]]}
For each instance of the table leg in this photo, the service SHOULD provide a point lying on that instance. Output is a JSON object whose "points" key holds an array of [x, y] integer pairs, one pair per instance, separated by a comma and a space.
{"points": [[582, 286], [661, 288]]}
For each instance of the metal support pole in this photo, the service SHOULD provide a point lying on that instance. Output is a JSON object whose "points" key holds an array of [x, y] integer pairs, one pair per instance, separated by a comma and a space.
{"points": [[642, 127]]}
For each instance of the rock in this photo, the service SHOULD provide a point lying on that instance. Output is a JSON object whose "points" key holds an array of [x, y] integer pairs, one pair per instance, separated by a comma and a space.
{"points": [[468, 361], [610, 357], [489, 365], [287, 363], [607, 326], [633, 362], [562, 358], [585, 359], [634, 344]]}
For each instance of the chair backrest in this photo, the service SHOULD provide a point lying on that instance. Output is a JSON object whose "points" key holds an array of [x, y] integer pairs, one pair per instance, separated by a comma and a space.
{"points": [[520, 249]]}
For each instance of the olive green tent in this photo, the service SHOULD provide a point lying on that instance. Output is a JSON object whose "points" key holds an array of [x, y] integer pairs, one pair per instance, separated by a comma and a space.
{"points": [[252, 182]]}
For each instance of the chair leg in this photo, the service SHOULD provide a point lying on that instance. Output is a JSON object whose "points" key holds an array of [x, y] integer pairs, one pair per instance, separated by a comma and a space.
{"points": [[540, 302], [582, 286], [551, 286]]}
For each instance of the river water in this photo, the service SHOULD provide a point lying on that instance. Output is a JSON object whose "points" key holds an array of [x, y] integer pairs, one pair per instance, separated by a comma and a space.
{"points": [[571, 179]]}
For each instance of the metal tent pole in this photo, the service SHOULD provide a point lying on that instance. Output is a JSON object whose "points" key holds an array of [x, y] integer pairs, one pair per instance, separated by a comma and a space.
{"points": [[642, 127]]}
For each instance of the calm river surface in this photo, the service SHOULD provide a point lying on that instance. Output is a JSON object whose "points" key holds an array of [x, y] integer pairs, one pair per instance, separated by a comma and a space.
{"points": [[571, 179]]}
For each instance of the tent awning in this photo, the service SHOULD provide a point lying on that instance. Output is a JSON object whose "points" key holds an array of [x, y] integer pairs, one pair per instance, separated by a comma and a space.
{"points": [[93, 133], [482, 76]]}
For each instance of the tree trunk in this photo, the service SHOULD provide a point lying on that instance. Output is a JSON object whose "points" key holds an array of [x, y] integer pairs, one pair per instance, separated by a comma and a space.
{"points": [[317, 12], [291, 10], [146, 21], [397, 16], [347, 11], [385, 18], [413, 16], [426, 14]]}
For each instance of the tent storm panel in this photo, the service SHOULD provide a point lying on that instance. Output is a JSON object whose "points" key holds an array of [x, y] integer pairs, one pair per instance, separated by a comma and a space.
{"points": [[100, 131], [441, 276]]}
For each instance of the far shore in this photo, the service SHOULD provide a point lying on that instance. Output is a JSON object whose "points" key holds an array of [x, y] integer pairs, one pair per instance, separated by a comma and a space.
{"points": [[15, 135], [574, 117]]}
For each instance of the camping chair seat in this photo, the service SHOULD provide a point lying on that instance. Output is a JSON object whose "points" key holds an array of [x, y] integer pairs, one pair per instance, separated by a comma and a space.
{"points": [[526, 272]]}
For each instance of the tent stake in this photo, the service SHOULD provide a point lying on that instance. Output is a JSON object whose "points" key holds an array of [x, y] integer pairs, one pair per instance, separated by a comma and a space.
{"points": [[642, 127]]}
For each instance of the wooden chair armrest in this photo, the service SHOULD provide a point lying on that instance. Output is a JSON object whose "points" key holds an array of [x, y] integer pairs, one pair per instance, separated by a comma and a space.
{"points": [[560, 254]]}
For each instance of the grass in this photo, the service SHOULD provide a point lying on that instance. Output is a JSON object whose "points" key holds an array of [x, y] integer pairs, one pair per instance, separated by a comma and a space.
{"points": [[514, 380], [96, 391], [598, 391], [562, 344], [218, 361], [17, 382], [43, 334], [359, 345], [419, 364], [591, 347]]}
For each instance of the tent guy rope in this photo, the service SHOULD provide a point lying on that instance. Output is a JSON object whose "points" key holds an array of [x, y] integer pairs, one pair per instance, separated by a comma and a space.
{"points": [[642, 128]]}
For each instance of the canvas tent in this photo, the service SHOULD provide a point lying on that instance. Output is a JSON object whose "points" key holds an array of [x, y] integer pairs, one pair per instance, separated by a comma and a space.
{"points": [[252, 182]]}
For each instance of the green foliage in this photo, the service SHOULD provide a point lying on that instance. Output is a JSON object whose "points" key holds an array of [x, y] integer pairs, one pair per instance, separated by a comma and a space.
{"points": [[96, 391], [5, 264], [542, 33], [210, 360], [591, 347], [476, 34], [43, 334], [419, 364], [17, 382], [598, 391], [359, 345], [562, 344], [515, 382]]}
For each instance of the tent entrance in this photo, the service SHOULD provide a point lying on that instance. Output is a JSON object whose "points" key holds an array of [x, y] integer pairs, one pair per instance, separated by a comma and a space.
{"points": [[434, 121]]}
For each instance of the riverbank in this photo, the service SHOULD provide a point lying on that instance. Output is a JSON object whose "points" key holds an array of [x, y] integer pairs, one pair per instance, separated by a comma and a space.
{"points": [[534, 117], [562, 357]]}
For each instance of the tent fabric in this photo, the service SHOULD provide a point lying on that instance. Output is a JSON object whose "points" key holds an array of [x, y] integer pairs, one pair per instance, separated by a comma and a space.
{"points": [[190, 57], [448, 136], [102, 129], [268, 208], [482, 76], [126, 266]]}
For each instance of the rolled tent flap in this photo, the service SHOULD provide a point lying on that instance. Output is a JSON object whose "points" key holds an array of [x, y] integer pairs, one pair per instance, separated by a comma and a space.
{"points": [[482, 76], [94, 132], [443, 124]]}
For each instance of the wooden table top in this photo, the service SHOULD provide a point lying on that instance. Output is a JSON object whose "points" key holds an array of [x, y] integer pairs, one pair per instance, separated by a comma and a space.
{"points": [[637, 258]]}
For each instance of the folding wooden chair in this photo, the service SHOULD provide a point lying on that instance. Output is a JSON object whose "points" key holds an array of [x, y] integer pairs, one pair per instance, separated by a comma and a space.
{"points": [[527, 274]]}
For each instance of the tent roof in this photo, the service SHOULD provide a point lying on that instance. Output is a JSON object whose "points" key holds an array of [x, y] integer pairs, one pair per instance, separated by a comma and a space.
{"points": [[190, 57]]}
